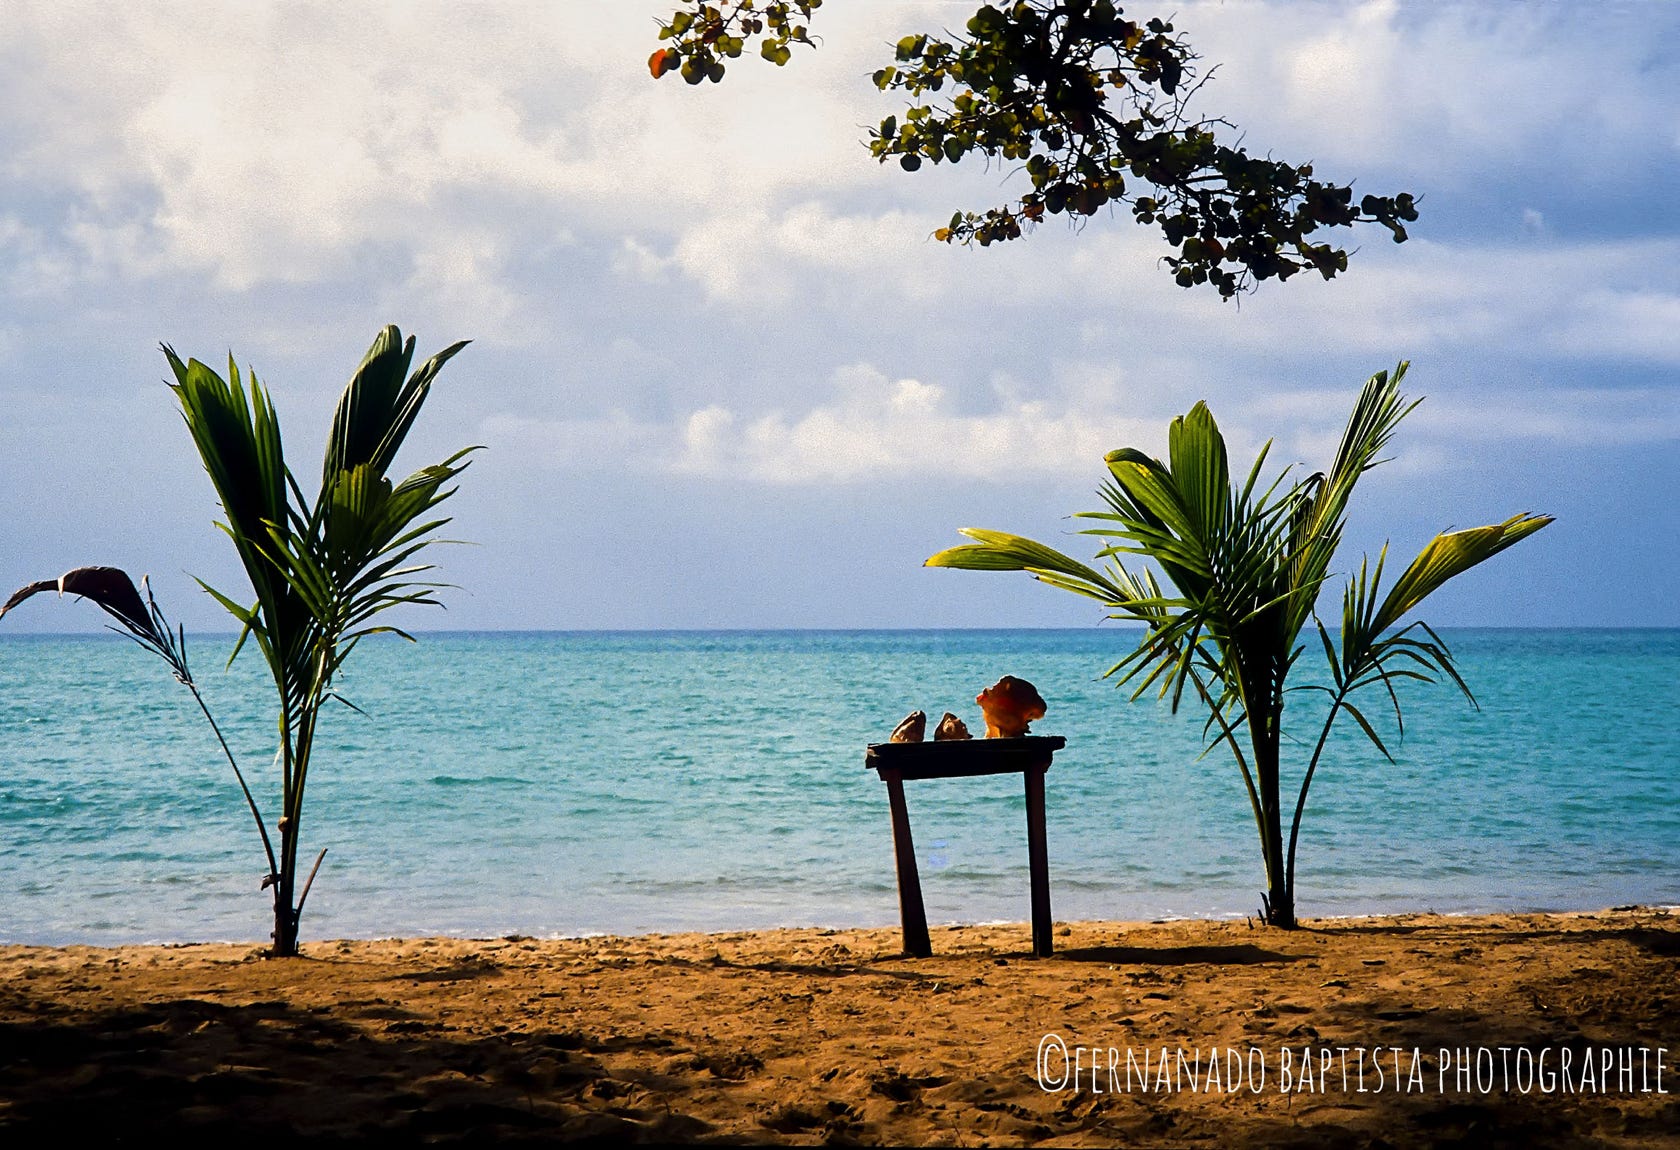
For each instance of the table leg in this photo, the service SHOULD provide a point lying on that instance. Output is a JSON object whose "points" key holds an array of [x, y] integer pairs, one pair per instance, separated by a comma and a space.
{"points": [[910, 910], [1038, 862]]}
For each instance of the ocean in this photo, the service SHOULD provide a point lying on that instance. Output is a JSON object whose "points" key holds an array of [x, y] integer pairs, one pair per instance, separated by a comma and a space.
{"points": [[559, 784]]}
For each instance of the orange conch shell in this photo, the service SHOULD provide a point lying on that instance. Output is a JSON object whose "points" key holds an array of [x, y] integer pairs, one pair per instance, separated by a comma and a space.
{"points": [[1010, 704], [911, 729], [950, 728]]}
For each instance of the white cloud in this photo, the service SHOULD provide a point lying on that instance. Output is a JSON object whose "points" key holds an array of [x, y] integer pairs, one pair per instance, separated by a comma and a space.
{"points": [[757, 258], [1610, 323], [872, 429], [879, 430], [269, 141], [884, 430], [1612, 300], [636, 260], [264, 144], [459, 273], [666, 284], [1445, 92]]}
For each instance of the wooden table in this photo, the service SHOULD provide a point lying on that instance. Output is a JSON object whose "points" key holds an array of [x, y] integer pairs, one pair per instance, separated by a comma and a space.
{"points": [[957, 759]]}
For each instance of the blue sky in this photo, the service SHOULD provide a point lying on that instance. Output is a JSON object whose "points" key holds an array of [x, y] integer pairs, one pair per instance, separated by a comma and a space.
{"points": [[725, 378]]}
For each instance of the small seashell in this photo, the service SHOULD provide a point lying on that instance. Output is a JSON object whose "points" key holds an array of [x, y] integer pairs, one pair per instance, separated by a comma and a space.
{"points": [[911, 729], [951, 727], [1010, 705]]}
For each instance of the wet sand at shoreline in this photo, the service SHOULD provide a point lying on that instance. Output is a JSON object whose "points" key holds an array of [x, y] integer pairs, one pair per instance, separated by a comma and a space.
{"points": [[818, 1036]]}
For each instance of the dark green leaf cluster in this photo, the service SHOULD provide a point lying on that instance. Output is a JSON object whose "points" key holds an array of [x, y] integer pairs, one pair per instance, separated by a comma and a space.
{"points": [[1246, 565], [1093, 105], [320, 568], [323, 569], [702, 35]]}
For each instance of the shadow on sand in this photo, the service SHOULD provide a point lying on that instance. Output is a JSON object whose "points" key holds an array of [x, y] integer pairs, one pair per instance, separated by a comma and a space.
{"points": [[196, 1070]]}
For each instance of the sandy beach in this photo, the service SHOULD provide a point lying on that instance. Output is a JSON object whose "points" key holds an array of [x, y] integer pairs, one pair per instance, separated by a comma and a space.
{"points": [[1409, 1030]]}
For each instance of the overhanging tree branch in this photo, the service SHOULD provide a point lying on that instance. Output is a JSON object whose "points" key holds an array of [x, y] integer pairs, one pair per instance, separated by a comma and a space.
{"points": [[1094, 105]]}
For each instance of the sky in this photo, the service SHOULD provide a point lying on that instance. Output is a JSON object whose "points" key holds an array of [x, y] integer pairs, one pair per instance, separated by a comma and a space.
{"points": [[723, 375]]}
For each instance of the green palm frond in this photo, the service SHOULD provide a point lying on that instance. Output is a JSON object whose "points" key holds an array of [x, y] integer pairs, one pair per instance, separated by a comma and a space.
{"points": [[1246, 563], [1449, 555], [378, 406], [1001, 551], [321, 570], [1322, 501]]}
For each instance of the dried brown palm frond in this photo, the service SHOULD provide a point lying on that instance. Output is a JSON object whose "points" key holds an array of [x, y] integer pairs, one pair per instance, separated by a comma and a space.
{"points": [[112, 589]]}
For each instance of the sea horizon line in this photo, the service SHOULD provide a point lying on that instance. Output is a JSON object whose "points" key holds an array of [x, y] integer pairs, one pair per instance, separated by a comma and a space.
{"points": [[444, 632]]}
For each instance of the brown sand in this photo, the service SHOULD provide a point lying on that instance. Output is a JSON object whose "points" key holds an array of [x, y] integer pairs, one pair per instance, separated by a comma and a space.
{"points": [[807, 1036]]}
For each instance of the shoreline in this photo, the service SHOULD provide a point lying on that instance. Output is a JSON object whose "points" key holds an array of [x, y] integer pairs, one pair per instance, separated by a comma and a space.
{"points": [[1307, 922], [811, 1035]]}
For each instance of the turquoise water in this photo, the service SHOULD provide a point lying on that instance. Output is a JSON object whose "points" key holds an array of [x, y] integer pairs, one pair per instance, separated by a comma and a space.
{"points": [[562, 784]]}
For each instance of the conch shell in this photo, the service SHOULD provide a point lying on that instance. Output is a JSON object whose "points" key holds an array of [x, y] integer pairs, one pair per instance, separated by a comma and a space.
{"points": [[911, 729], [1009, 704], [950, 728]]}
